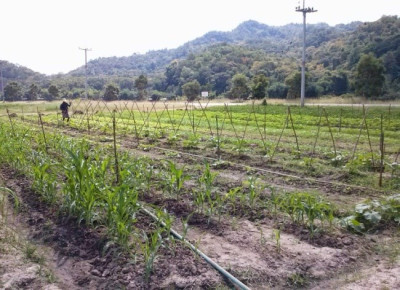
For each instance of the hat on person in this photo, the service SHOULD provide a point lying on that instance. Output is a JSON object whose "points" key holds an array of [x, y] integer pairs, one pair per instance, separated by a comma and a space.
{"points": [[64, 100]]}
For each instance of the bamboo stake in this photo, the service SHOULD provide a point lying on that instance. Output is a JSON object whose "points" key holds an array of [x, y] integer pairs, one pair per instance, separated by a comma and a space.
{"points": [[358, 138], [294, 131], [184, 113], [44, 135], [169, 117], [316, 138], [115, 151], [330, 131], [11, 123], [258, 127], [395, 161], [204, 113], [244, 132], [279, 140], [369, 140], [88, 124], [231, 120], [218, 139], [135, 127], [192, 120], [382, 147]]}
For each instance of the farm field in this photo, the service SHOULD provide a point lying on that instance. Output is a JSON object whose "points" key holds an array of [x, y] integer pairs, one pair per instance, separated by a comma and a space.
{"points": [[279, 196]]}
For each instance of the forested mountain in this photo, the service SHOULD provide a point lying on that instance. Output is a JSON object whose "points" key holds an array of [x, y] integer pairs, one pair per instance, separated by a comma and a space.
{"points": [[338, 58], [15, 72], [250, 33]]}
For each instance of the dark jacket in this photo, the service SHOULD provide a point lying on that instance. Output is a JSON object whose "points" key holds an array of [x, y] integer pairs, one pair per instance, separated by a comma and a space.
{"points": [[64, 106]]}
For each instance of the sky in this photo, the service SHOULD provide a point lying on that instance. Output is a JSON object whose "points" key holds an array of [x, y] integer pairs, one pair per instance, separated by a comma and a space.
{"points": [[47, 35]]}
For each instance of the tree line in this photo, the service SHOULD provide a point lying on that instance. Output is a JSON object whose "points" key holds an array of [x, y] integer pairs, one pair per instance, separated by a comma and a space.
{"points": [[253, 61]]}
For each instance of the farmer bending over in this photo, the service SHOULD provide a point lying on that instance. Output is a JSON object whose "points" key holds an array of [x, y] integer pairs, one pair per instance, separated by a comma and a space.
{"points": [[64, 109]]}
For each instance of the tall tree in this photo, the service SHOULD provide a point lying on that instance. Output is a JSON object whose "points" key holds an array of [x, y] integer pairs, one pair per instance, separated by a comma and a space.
{"points": [[32, 93], [54, 92], [293, 82], [369, 76], [191, 90], [111, 93], [12, 92], [259, 86], [240, 88], [141, 85]]}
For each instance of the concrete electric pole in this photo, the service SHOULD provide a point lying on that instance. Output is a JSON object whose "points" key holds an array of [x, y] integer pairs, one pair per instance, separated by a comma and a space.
{"points": [[304, 10], [86, 50]]}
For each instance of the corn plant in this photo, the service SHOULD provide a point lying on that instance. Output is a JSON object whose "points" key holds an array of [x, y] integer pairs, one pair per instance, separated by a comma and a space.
{"points": [[82, 190], [149, 247], [44, 182], [175, 178], [277, 237], [138, 172], [305, 208], [207, 178], [231, 197], [204, 193], [4, 194], [254, 190], [274, 202], [185, 225], [121, 207], [164, 224]]}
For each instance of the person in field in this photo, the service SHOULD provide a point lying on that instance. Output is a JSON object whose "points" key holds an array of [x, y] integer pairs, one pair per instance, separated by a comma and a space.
{"points": [[64, 109]]}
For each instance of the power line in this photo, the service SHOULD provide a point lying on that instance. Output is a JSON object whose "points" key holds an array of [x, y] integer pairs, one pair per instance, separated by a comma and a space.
{"points": [[86, 50], [304, 10]]}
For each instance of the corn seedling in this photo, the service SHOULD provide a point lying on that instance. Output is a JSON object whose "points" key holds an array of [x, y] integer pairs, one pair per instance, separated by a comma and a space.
{"points": [[254, 190], [185, 225], [176, 178], [82, 189], [44, 182], [149, 248], [305, 208], [4, 194], [121, 208], [277, 238]]}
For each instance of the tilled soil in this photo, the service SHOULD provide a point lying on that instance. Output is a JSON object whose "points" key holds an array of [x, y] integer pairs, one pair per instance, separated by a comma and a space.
{"points": [[82, 258], [248, 247]]}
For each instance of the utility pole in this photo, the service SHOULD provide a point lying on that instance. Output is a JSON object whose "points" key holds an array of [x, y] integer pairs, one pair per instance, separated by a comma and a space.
{"points": [[86, 50], [304, 10]]}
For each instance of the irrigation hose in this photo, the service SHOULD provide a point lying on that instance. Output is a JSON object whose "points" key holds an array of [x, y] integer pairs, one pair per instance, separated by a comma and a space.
{"points": [[225, 273]]}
